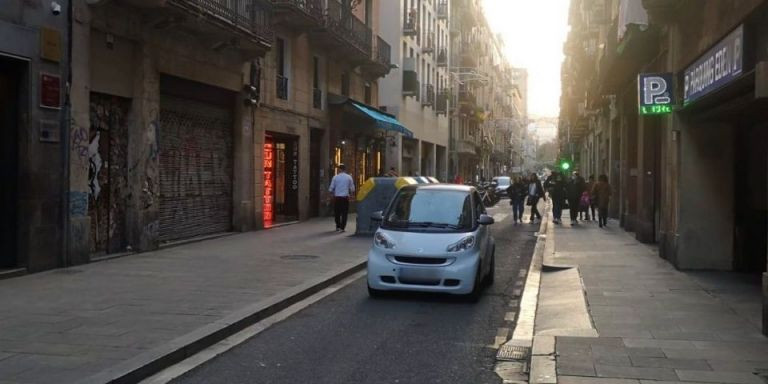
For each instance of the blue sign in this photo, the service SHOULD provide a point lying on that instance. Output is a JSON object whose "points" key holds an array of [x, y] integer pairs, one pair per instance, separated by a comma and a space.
{"points": [[719, 66], [655, 93]]}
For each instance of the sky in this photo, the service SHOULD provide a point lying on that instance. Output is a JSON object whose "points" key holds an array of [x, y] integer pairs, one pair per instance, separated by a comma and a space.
{"points": [[533, 32]]}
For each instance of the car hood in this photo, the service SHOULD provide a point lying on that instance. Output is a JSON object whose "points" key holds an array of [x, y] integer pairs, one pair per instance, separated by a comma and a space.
{"points": [[423, 243]]}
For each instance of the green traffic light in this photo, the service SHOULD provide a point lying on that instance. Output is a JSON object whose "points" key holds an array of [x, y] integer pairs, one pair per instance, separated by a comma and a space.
{"points": [[565, 166]]}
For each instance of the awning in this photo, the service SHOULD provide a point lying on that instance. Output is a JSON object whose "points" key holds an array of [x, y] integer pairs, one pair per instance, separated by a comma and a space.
{"points": [[384, 121], [380, 119]]}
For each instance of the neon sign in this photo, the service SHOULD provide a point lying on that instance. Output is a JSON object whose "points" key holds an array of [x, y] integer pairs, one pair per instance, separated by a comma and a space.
{"points": [[655, 93], [269, 183]]}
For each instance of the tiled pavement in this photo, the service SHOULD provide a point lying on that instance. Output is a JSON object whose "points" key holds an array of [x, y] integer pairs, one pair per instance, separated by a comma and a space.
{"points": [[655, 324], [64, 325]]}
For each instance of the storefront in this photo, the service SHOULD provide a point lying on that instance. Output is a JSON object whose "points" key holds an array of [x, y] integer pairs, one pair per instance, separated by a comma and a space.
{"points": [[281, 179], [360, 137]]}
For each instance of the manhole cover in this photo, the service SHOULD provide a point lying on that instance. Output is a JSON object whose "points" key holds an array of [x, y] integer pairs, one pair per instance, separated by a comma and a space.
{"points": [[299, 257], [513, 352]]}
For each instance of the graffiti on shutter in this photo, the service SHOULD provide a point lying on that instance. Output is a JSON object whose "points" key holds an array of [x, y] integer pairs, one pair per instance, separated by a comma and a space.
{"points": [[107, 176], [195, 142]]}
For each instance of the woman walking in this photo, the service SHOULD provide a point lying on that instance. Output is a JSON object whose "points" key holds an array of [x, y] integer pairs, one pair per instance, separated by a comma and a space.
{"points": [[602, 194], [556, 187], [517, 193]]}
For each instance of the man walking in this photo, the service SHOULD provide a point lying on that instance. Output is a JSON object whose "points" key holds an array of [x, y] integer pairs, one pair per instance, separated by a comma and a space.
{"points": [[576, 186], [556, 187], [342, 187]]}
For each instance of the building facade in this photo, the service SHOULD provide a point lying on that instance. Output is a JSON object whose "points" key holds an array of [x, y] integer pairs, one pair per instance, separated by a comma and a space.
{"points": [[183, 119], [34, 73], [417, 92], [692, 180]]}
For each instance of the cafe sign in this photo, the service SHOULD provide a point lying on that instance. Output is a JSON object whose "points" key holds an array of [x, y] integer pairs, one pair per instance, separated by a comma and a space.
{"points": [[716, 68], [655, 93]]}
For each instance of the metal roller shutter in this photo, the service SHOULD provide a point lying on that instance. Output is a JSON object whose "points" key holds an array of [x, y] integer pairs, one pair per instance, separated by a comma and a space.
{"points": [[195, 150]]}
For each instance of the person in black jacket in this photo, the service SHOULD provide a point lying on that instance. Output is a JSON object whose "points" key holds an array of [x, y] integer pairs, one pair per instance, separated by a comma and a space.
{"points": [[576, 186], [535, 193], [556, 186], [517, 192]]}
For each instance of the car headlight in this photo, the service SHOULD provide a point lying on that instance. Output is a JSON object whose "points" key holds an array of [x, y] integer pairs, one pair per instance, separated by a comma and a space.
{"points": [[383, 241], [462, 245]]}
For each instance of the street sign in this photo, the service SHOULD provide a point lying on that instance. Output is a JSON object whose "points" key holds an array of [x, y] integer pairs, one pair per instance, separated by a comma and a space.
{"points": [[655, 93], [722, 64]]}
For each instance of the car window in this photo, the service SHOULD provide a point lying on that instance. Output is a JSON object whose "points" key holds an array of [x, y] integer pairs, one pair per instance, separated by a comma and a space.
{"points": [[433, 209], [479, 207]]}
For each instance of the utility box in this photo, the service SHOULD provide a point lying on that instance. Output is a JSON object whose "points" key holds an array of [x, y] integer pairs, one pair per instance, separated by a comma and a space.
{"points": [[375, 195]]}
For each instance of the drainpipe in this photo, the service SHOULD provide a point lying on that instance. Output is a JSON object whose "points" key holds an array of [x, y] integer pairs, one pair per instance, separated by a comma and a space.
{"points": [[65, 123]]}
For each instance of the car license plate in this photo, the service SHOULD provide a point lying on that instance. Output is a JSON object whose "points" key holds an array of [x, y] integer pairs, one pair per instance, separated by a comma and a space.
{"points": [[419, 273]]}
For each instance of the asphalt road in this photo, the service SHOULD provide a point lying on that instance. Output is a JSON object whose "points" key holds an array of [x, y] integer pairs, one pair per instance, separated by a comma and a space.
{"points": [[414, 338]]}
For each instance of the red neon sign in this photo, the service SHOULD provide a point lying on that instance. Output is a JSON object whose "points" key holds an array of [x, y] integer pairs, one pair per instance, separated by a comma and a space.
{"points": [[269, 165]]}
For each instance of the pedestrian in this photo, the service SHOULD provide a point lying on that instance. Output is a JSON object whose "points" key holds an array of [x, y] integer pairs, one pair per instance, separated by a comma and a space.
{"points": [[584, 203], [342, 187], [458, 179], [576, 186], [517, 193], [592, 201], [535, 193], [601, 193], [556, 187]]}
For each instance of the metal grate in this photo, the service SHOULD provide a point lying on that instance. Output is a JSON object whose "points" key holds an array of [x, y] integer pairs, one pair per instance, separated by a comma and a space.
{"points": [[513, 352], [299, 257]]}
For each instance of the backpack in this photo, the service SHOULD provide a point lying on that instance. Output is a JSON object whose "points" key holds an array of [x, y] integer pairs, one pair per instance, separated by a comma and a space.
{"points": [[585, 201]]}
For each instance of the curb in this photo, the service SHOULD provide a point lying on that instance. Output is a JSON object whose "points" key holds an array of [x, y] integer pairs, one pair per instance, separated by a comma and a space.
{"points": [[174, 351], [523, 335]]}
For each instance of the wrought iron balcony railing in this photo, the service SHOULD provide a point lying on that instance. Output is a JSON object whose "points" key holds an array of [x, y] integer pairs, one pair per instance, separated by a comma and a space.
{"points": [[429, 44], [429, 95], [441, 104], [442, 9], [313, 8], [411, 24], [282, 87], [442, 57], [383, 54], [249, 17], [341, 21]]}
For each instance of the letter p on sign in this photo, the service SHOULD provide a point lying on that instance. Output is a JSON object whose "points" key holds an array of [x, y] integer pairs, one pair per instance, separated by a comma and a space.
{"points": [[653, 88]]}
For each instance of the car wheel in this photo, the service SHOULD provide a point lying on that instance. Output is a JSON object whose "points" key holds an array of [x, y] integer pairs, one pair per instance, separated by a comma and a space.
{"points": [[375, 293], [492, 269]]}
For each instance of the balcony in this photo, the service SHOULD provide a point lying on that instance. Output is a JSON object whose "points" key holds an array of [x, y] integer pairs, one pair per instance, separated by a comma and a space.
{"points": [[429, 44], [249, 19], [442, 57], [302, 14], [428, 98], [281, 86], [442, 10], [411, 24], [343, 33], [317, 98], [467, 97], [411, 86], [466, 146], [381, 63], [441, 104]]}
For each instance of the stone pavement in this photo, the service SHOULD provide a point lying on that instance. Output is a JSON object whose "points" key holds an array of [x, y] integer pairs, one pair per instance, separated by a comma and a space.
{"points": [[626, 316], [64, 326]]}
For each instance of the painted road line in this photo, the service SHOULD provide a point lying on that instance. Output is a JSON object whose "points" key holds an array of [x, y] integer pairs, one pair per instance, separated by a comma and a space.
{"points": [[502, 335], [510, 316], [169, 374], [499, 217]]}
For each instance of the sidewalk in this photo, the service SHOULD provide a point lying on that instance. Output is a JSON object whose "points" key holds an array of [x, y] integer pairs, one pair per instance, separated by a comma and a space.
{"points": [[106, 320], [622, 315]]}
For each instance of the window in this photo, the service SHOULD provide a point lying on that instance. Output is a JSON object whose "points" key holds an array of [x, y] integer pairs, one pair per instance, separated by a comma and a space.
{"points": [[317, 93], [282, 79], [345, 84], [430, 210], [367, 91]]}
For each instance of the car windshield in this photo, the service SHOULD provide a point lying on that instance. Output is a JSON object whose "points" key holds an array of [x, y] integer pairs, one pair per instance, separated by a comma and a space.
{"points": [[502, 181], [430, 210]]}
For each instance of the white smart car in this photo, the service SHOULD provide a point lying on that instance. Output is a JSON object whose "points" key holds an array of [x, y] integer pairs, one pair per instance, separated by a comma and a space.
{"points": [[432, 238]]}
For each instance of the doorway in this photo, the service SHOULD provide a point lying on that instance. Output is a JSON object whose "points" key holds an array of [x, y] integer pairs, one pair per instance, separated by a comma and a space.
{"points": [[750, 208], [11, 73], [281, 178]]}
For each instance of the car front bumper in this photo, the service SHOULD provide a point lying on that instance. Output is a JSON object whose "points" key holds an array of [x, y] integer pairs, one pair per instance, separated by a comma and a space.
{"points": [[455, 276]]}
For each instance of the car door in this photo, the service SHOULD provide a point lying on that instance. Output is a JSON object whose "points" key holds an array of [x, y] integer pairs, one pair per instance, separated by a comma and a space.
{"points": [[482, 230]]}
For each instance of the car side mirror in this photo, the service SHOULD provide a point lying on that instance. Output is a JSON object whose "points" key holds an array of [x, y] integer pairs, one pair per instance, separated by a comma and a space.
{"points": [[485, 220], [377, 216]]}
